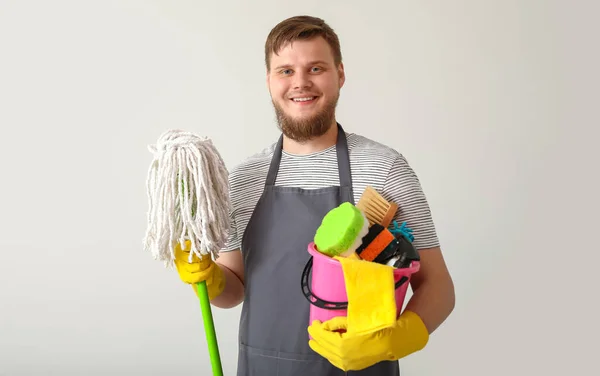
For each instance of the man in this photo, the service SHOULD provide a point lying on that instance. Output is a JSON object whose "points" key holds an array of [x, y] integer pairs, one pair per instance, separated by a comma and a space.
{"points": [[279, 197]]}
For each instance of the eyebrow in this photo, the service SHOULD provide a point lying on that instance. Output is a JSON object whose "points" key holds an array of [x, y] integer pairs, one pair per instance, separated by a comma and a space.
{"points": [[315, 62]]}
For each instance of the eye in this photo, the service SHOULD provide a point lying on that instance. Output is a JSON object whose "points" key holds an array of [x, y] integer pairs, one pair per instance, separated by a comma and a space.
{"points": [[286, 71], [316, 69]]}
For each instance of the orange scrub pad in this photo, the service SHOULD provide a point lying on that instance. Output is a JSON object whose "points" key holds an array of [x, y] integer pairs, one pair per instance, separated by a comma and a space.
{"points": [[375, 242]]}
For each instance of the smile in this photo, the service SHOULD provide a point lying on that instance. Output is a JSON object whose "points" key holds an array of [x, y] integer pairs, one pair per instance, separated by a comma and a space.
{"points": [[304, 100]]}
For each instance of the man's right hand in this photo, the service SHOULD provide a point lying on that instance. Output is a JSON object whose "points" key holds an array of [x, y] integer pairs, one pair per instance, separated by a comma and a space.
{"points": [[199, 270]]}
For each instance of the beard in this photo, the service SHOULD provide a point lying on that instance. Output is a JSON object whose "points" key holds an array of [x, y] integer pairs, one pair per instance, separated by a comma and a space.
{"points": [[305, 129]]}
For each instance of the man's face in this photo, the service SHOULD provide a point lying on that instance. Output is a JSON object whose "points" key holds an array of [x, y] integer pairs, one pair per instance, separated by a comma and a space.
{"points": [[305, 83]]}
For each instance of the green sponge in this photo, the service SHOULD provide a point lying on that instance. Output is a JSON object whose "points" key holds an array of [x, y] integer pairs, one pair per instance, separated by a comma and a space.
{"points": [[341, 231]]}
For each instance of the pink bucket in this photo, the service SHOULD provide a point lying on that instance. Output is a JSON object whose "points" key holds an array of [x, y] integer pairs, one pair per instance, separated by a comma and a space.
{"points": [[327, 291]]}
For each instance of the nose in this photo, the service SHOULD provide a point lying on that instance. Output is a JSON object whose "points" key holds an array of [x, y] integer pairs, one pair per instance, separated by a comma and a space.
{"points": [[302, 81]]}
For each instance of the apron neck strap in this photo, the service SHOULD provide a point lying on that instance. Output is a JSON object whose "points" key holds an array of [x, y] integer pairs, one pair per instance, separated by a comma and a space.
{"points": [[343, 160]]}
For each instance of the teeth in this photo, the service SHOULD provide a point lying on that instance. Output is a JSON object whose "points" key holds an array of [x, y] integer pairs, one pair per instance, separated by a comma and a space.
{"points": [[303, 99]]}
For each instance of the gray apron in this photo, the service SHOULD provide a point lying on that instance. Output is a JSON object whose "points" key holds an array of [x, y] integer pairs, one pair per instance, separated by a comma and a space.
{"points": [[275, 314]]}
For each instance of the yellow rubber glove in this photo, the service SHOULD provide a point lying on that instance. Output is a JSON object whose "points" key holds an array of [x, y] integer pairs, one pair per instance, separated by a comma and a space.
{"points": [[352, 352], [200, 269]]}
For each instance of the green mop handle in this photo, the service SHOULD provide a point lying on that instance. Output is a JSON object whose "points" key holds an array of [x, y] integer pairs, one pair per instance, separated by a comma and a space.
{"points": [[209, 328]]}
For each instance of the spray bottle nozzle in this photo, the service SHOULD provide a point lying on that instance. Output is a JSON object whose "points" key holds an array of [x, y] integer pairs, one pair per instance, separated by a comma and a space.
{"points": [[406, 251]]}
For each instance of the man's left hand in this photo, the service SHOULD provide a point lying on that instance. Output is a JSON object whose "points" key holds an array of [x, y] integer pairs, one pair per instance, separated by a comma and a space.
{"points": [[351, 352]]}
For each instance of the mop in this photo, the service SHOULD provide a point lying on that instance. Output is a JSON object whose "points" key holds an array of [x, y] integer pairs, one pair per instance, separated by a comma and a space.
{"points": [[188, 193]]}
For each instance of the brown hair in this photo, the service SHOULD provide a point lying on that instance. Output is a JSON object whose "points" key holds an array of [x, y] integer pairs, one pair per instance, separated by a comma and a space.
{"points": [[301, 28]]}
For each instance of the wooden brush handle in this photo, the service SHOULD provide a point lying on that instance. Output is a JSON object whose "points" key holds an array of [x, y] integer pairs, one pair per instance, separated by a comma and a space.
{"points": [[389, 216], [376, 208]]}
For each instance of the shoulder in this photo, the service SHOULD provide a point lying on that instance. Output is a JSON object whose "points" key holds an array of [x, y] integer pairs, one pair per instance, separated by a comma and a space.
{"points": [[253, 164], [248, 176], [368, 153], [359, 145]]}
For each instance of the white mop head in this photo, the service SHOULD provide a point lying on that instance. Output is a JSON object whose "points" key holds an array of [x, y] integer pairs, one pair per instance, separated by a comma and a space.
{"points": [[188, 192]]}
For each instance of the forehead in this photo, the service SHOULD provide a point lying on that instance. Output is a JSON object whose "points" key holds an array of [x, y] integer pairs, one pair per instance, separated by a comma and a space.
{"points": [[301, 52]]}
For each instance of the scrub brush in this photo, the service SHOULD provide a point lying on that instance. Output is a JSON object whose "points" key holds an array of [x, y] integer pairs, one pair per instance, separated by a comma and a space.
{"points": [[376, 208], [341, 231]]}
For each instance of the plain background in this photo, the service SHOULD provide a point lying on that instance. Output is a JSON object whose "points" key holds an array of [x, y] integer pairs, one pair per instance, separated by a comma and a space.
{"points": [[493, 103]]}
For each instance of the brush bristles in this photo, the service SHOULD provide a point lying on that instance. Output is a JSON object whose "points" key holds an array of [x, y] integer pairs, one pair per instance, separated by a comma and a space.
{"points": [[376, 208]]}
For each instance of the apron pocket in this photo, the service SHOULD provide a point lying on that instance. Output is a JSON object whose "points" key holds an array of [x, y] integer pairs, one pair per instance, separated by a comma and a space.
{"points": [[259, 362]]}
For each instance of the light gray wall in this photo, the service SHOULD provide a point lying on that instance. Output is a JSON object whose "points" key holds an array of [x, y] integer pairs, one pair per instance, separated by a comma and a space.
{"points": [[492, 102]]}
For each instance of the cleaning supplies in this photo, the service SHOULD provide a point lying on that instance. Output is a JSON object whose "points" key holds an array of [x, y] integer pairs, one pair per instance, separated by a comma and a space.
{"points": [[376, 208], [378, 245], [406, 252], [341, 231], [188, 193], [403, 230], [370, 290]]}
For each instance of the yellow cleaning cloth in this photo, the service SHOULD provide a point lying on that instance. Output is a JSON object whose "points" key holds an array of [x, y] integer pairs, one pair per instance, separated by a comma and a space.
{"points": [[371, 299]]}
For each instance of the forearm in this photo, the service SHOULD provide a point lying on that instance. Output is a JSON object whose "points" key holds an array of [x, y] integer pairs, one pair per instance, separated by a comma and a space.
{"points": [[433, 301], [233, 292]]}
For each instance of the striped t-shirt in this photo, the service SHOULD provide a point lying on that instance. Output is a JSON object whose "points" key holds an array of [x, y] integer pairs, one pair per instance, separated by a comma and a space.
{"points": [[371, 163]]}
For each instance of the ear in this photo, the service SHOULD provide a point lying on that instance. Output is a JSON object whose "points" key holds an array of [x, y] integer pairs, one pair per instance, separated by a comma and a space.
{"points": [[342, 74], [268, 79]]}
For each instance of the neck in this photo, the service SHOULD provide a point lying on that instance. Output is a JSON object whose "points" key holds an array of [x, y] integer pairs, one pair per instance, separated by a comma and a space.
{"points": [[313, 145]]}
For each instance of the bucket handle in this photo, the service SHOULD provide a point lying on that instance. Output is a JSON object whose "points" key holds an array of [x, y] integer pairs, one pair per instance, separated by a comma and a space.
{"points": [[316, 301]]}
